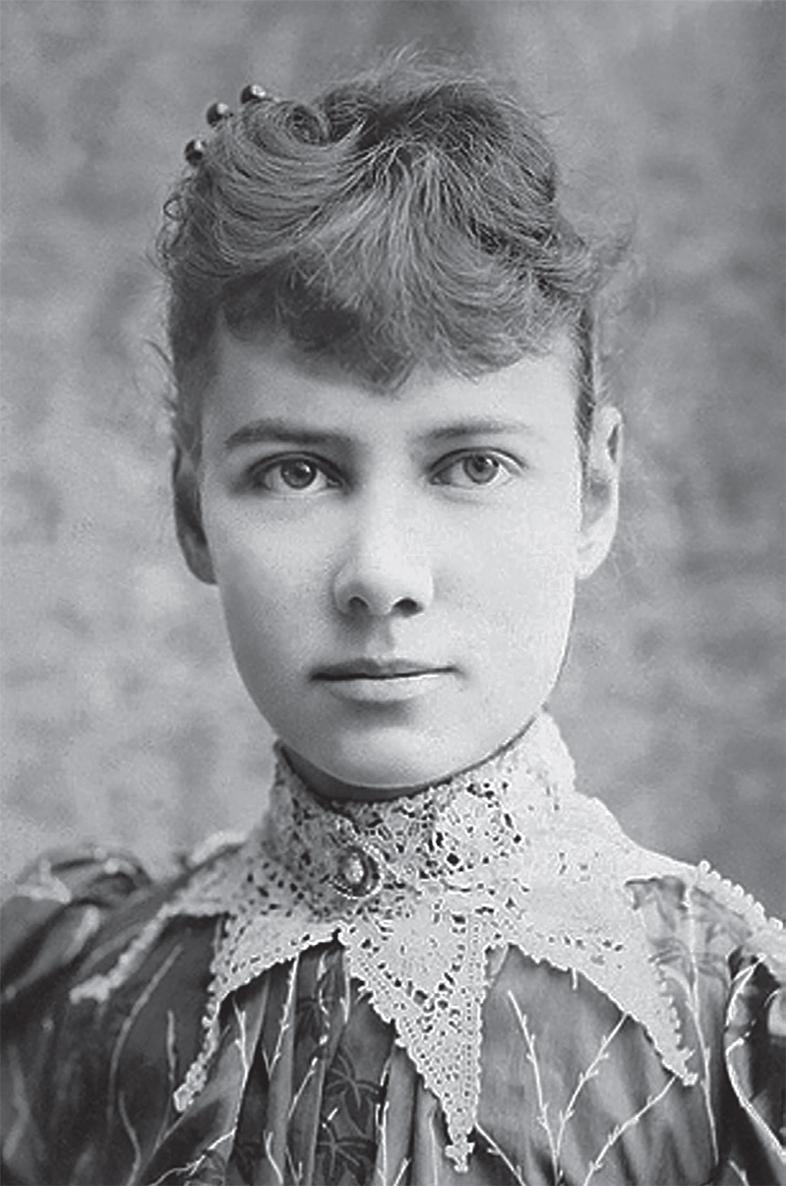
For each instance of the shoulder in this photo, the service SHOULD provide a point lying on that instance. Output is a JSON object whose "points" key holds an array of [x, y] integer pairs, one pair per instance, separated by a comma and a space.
{"points": [[696, 908], [71, 906], [723, 962], [686, 911], [71, 918], [57, 906]]}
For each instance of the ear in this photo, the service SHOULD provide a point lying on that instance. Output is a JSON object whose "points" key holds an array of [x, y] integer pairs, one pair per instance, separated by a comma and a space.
{"points": [[188, 517], [600, 498]]}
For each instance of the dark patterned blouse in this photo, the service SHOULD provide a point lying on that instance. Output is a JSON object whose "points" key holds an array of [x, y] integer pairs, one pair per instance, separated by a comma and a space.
{"points": [[269, 1016]]}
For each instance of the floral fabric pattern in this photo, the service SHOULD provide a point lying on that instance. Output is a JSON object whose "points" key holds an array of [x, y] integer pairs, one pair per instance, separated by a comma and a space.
{"points": [[309, 1085], [145, 1046]]}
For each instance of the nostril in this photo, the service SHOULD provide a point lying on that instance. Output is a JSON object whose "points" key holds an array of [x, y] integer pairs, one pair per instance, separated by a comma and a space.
{"points": [[358, 604], [361, 590], [407, 605]]}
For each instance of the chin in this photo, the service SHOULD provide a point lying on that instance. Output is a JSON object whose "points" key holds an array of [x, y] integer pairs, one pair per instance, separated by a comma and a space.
{"points": [[386, 764], [397, 761]]}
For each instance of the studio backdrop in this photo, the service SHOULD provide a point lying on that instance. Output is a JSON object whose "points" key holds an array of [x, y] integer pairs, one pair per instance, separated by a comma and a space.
{"points": [[122, 716]]}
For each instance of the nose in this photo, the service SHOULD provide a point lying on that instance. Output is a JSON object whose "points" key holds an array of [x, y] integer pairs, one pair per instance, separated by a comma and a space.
{"points": [[385, 571]]}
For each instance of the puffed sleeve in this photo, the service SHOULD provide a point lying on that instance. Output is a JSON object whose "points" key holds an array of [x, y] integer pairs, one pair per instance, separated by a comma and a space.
{"points": [[724, 962], [754, 1048], [49, 924]]}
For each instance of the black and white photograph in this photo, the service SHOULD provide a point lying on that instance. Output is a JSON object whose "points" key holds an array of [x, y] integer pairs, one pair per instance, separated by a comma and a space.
{"points": [[393, 592]]}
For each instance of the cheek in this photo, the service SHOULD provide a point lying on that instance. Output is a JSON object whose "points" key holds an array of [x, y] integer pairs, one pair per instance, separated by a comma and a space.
{"points": [[527, 606], [525, 559], [252, 550], [523, 589], [269, 622], [265, 583]]}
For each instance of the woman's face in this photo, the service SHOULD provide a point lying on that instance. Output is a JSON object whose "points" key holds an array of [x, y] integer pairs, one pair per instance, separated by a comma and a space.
{"points": [[396, 571]]}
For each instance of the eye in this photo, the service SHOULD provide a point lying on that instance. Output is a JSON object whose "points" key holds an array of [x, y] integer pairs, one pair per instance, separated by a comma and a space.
{"points": [[480, 468], [292, 475]]}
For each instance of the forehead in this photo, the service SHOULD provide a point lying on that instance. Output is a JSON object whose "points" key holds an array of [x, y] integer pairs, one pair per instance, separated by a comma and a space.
{"points": [[271, 377]]}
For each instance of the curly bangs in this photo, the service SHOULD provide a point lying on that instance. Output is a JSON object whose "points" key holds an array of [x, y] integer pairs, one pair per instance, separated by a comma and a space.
{"points": [[407, 218]]}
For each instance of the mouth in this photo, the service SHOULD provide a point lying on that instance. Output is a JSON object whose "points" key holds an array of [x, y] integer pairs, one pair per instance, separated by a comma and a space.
{"points": [[377, 681], [378, 669]]}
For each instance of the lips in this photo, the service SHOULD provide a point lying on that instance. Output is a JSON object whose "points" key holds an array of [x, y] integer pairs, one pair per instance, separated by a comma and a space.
{"points": [[381, 685], [378, 669]]}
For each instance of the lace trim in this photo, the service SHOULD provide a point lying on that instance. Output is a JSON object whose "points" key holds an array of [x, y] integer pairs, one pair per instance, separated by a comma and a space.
{"points": [[419, 891]]}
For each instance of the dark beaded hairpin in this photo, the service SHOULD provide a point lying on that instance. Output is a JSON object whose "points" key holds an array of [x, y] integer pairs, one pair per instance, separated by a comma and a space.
{"points": [[216, 113], [194, 151], [253, 93]]}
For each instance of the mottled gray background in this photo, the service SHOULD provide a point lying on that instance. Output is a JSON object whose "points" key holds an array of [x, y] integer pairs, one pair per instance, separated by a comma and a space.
{"points": [[123, 718]]}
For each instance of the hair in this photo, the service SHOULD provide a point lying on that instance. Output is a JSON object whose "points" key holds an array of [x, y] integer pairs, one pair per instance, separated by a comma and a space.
{"points": [[410, 217]]}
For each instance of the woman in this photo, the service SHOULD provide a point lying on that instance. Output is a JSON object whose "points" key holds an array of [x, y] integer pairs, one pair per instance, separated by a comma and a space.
{"points": [[435, 960]]}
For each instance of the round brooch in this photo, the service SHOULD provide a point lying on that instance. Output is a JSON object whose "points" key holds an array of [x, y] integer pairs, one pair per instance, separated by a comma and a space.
{"points": [[358, 872]]}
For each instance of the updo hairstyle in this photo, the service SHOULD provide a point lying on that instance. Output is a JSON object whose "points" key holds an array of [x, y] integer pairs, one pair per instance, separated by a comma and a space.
{"points": [[407, 218]]}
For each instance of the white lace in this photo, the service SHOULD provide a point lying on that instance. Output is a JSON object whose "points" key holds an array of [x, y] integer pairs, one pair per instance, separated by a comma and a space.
{"points": [[419, 891]]}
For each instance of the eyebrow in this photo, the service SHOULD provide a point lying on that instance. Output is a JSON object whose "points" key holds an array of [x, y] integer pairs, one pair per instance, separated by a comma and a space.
{"points": [[259, 432], [287, 432], [480, 426]]}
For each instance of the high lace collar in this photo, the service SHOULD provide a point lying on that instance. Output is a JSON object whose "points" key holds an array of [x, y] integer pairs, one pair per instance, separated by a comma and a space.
{"points": [[422, 892], [344, 853]]}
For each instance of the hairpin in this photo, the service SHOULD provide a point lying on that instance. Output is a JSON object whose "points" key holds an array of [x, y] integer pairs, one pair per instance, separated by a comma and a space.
{"points": [[217, 112], [194, 151], [254, 93]]}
